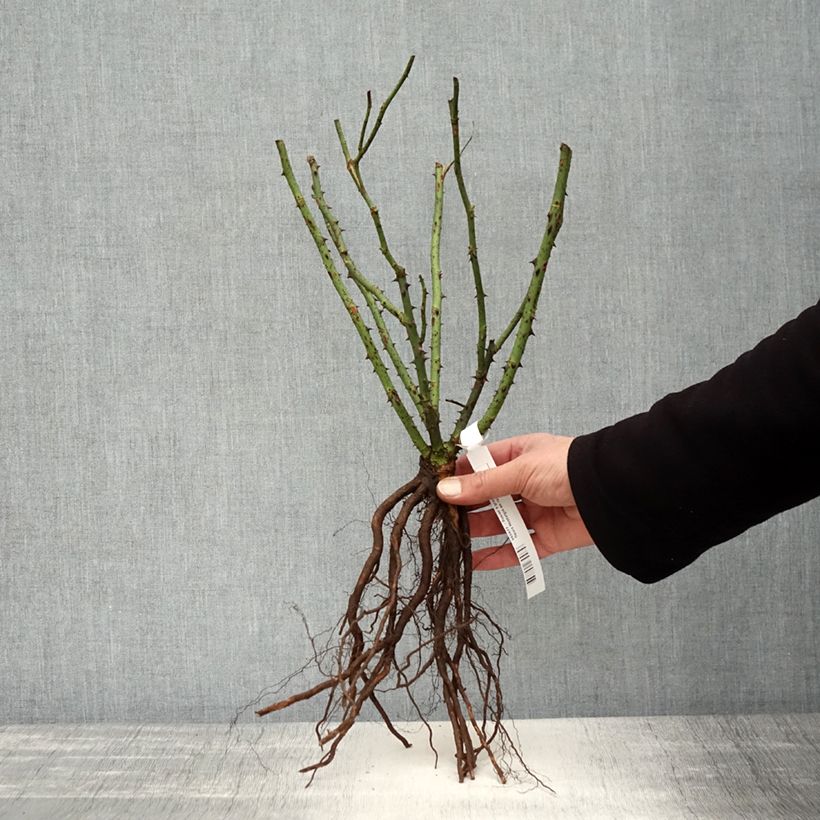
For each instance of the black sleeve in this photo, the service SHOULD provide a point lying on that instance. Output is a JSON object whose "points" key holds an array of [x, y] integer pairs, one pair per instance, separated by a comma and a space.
{"points": [[702, 465]]}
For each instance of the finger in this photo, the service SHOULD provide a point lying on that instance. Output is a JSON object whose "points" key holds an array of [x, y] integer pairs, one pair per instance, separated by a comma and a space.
{"points": [[506, 449], [486, 522], [494, 557], [477, 488], [463, 466], [502, 451]]}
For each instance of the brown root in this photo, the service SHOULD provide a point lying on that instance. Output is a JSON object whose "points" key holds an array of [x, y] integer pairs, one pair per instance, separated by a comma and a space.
{"points": [[436, 596]]}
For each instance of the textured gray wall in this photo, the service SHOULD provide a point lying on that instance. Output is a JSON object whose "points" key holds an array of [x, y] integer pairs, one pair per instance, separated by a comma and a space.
{"points": [[186, 417]]}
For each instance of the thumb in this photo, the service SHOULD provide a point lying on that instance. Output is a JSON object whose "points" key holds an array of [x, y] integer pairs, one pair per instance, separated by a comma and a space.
{"points": [[479, 488]]}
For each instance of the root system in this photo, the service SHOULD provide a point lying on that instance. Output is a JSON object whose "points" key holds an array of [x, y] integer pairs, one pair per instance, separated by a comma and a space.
{"points": [[416, 583]]}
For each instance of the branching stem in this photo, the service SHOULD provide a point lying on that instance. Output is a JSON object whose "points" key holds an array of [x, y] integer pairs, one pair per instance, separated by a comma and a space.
{"points": [[369, 291], [353, 311], [555, 219], [523, 317], [383, 108], [430, 417]]}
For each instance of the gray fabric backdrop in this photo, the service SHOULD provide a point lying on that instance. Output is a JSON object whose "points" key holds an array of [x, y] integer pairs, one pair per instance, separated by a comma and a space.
{"points": [[186, 419]]}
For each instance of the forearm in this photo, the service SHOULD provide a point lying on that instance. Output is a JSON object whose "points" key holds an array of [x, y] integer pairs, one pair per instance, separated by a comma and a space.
{"points": [[706, 463]]}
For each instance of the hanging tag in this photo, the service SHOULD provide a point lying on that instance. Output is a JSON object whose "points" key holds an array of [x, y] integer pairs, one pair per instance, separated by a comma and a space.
{"points": [[505, 508]]}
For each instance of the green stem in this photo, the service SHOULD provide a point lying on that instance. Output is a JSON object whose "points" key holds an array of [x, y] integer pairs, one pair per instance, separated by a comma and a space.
{"points": [[383, 108], [472, 246], [505, 334], [362, 329], [479, 380], [364, 286], [413, 336], [555, 218], [366, 118], [356, 275], [401, 279], [435, 290], [423, 309]]}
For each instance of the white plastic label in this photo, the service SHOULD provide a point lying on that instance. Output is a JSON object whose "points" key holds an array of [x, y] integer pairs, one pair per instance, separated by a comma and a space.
{"points": [[480, 459]]}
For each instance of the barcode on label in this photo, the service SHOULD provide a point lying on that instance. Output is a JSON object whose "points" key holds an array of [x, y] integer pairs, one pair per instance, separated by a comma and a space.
{"points": [[526, 564]]}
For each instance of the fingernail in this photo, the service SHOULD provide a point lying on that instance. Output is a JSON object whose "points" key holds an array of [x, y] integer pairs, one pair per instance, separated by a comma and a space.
{"points": [[449, 487]]}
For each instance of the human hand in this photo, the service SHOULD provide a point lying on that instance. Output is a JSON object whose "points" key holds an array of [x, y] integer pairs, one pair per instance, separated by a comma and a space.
{"points": [[532, 469]]}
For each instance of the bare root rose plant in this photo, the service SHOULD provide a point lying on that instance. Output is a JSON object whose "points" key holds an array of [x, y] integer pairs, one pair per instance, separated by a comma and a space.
{"points": [[416, 582]]}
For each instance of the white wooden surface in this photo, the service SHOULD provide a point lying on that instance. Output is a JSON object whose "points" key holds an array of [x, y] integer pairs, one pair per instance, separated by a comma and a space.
{"points": [[764, 766]]}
